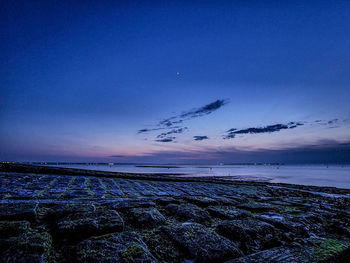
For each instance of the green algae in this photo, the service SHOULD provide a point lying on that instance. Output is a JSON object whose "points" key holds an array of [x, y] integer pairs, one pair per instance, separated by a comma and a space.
{"points": [[41, 193], [329, 248], [132, 252], [68, 187], [290, 209], [161, 246], [88, 187]]}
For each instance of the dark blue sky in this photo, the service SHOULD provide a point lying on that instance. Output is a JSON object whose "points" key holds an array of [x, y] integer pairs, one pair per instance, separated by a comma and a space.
{"points": [[206, 81]]}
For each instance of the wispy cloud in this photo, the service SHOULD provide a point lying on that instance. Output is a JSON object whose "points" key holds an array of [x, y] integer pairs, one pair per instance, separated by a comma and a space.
{"points": [[231, 133], [205, 110], [173, 131], [171, 124], [333, 121], [200, 138], [167, 139], [327, 122], [194, 113], [149, 130]]}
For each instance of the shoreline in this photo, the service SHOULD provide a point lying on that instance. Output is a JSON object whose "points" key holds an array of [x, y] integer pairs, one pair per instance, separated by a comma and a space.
{"points": [[179, 177], [54, 214]]}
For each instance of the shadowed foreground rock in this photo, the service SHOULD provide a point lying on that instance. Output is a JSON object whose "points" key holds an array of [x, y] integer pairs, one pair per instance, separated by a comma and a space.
{"points": [[71, 215], [202, 244], [123, 247]]}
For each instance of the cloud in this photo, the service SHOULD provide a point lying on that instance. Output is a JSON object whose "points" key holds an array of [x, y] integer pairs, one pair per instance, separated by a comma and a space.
{"points": [[329, 122], [173, 131], [117, 156], [171, 123], [332, 121], [194, 113], [168, 139], [148, 130], [200, 138], [231, 133], [168, 122], [205, 110]]}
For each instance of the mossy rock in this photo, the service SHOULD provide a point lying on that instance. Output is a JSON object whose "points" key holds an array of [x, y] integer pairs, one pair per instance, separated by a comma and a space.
{"points": [[331, 248], [132, 252], [149, 216], [125, 247], [201, 244], [24, 244], [83, 225]]}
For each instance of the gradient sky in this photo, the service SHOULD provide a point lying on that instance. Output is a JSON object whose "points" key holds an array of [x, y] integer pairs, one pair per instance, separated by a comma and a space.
{"points": [[80, 80]]}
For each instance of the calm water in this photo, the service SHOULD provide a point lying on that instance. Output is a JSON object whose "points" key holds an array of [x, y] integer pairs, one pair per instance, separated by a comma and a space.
{"points": [[320, 175]]}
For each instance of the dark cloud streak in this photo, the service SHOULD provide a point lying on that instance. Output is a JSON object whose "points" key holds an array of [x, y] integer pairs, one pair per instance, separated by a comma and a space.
{"points": [[168, 123], [168, 139], [231, 133], [173, 131], [200, 138], [195, 113]]}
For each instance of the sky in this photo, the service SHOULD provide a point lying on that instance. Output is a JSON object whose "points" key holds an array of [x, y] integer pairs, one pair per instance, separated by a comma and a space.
{"points": [[175, 81]]}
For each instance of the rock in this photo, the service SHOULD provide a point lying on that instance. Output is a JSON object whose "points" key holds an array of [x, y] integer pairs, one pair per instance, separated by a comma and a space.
{"points": [[202, 244], [188, 212], [125, 247], [274, 255], [149, 216], [82, 225], [227, 212], [331, 250], [282, 223], [310, 222], [250, 233], [13, 228], [55, 211], [256, 207], [201, 200], [166, 200], [18, 211], [20, 243], [125, 203], [337, 227], [227, 201]]}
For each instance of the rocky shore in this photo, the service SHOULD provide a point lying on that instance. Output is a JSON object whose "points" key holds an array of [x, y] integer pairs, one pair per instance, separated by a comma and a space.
{"points": [[52, 214]]}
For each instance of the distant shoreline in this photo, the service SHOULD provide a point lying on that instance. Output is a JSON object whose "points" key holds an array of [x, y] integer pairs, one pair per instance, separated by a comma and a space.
{"points": [[171, 177]]}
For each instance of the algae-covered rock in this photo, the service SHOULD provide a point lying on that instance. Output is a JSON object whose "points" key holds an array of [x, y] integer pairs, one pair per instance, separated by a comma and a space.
{"points": [[146, 216], [201, 200], [281, 222], [125, 247], [127, 203], [188, 212], [55, 211], [18, 211], [273, 255], [256, 207], [332, 250], [166, 200], [13, 228], [227, 212], [82, 225], [20, 243], [250, 233], [202, 244]]}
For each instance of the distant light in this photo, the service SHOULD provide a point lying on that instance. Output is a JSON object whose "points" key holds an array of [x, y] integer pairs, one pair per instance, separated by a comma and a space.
{"points": [[177, 73]]}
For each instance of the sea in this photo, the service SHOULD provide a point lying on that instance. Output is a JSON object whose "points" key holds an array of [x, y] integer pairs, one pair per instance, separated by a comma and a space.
{"points": [[317, 175]]}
